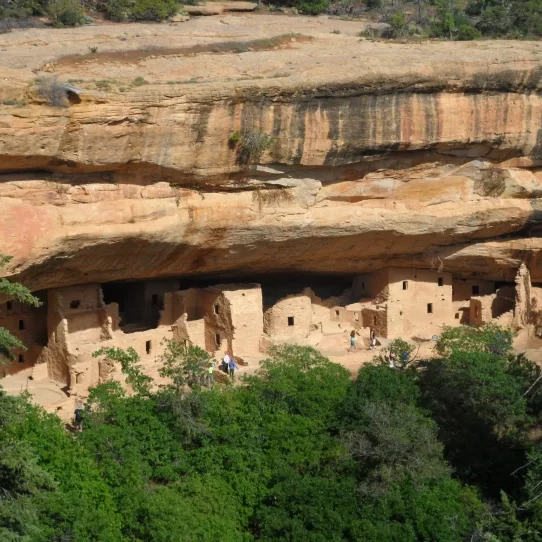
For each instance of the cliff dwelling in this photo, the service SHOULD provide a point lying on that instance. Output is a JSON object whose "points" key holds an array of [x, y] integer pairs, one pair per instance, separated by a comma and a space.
{"points": [[409, 183], [246, 318]]}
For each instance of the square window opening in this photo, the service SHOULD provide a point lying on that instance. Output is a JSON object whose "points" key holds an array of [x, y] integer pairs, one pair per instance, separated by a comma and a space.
{"points": [[337, 313], [429, 308], [9, 306], [148, 347], [405, 285], [21, 325], [457, 316], [475, 289], [21, 358], [75, 304], [440, 281], [291, 320]]}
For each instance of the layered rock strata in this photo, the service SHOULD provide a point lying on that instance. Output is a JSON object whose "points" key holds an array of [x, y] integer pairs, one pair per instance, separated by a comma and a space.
{"points": [[418, 163]]}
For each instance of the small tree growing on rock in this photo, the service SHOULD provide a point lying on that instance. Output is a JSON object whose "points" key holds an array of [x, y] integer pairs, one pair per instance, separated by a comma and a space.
{"points": [[250, 145]]}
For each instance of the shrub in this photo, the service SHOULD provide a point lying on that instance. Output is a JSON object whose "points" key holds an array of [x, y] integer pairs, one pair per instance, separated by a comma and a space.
{"points": [[234, 139], [66, 12], [117, 10], [252, 145], [276, 196], [398, 24], [53, 91], [466, 32], [153, 10], [139, 81], [312, 7]]}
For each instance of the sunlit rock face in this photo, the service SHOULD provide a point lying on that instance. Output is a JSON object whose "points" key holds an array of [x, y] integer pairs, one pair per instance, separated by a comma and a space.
{"points": [[417, 163]]}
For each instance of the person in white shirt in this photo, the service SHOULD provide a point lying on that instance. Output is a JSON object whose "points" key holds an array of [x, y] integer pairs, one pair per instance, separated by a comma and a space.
{"points": [[226, 362]]}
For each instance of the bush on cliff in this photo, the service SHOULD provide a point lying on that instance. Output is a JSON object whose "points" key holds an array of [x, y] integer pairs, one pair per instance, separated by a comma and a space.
{"points": [[153, 10], [66, 12]]}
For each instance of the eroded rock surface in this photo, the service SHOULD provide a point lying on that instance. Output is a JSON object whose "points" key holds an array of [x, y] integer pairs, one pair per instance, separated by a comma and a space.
{"points": [[383, 154]]}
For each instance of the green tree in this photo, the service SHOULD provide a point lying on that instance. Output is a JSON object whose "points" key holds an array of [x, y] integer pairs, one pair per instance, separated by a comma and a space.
{"points": [[480, 409], [12, 290], [398, 24], [490, 338], [50, 485], [130, 366], [185, 365]]}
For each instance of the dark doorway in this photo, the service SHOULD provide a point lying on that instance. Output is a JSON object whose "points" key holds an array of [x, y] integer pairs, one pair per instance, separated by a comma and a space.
{"points": [[135, 314]]}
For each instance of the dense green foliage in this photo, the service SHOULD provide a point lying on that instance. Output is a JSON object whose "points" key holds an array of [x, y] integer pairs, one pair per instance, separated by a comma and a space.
{"points": [[441, 451], [75, 12], [448, 19]]}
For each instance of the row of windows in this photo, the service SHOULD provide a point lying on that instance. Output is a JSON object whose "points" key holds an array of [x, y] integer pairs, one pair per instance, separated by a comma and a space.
{"points": [[475, 287]]}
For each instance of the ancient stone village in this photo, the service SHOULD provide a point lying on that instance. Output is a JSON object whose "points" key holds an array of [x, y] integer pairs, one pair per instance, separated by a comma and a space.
{"points": [[270, 271], [246, 319]]}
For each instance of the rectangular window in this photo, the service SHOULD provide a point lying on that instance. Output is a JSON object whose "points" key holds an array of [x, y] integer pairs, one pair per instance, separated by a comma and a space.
{"points": [[337, 313], [374, 320], [148, 346], [9, 306], [75, 304], [440, 281], [457, 316], [475, 290], [21, 325], [405, 285], [154, 299], [21, 358], [217, 308], [218, 340], [290, 320], [430, 308]]}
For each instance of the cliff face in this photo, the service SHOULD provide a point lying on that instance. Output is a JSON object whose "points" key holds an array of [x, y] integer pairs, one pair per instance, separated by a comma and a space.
{"points": [[381, 155]]}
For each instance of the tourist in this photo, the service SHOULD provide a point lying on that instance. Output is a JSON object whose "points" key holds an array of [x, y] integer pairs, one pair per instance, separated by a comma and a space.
{"points": [[78, 417], [373, 339], [210, 375], [232, 367], [226, 362], [352, 341], [392, 358]]}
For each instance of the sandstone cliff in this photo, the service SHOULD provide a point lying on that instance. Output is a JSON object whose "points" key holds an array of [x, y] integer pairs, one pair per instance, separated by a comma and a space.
{"points": [[382, 154]]}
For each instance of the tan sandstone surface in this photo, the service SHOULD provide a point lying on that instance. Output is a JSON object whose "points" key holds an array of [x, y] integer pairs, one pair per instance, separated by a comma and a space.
{"points": [[416, 155]]}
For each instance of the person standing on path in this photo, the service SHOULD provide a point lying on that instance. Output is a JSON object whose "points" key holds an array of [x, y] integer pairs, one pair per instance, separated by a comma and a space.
{"points": [[232, 367], [352, 341], [373, 339], [210, 375], [226, 362]]}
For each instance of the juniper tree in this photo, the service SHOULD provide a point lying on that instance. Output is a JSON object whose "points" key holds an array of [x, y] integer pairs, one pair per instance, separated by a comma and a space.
{"points": [[12, 290]]}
